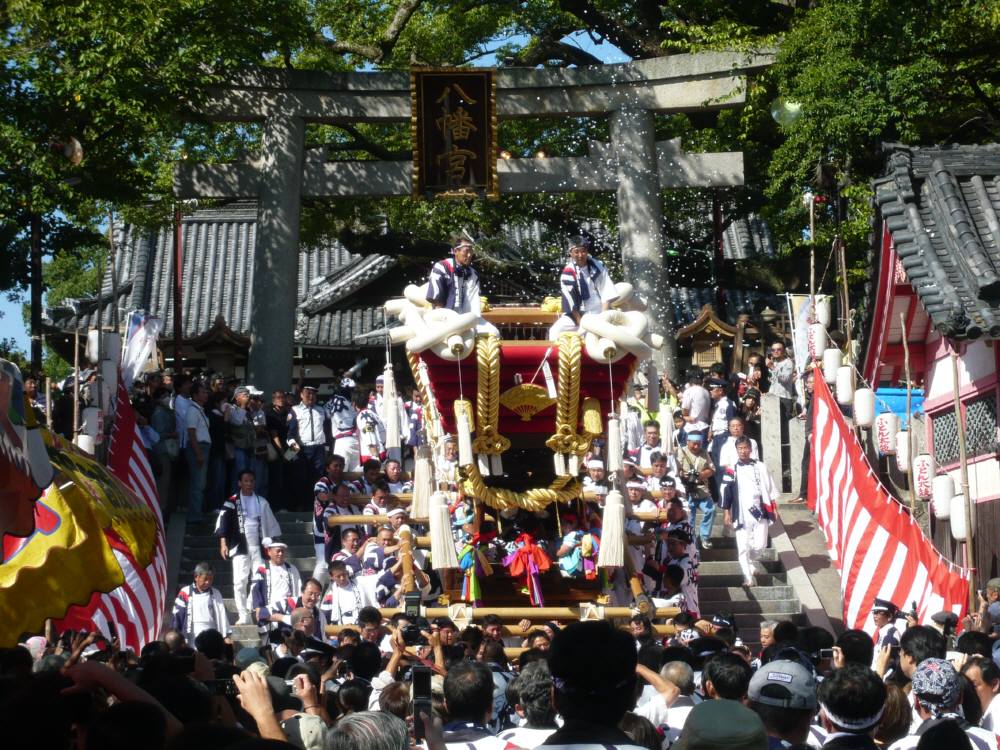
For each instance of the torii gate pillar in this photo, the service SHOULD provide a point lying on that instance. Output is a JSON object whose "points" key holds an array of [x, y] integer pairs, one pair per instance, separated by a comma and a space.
{"points": [[275, 262], [640, 223]]}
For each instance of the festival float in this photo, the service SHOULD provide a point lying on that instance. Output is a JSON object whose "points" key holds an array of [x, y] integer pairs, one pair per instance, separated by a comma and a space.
{"points": [[525, 412]]}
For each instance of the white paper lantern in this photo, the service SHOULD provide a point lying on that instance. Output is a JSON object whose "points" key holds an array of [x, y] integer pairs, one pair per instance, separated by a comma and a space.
{"points": [[885, 429], [832, 360], [93, 337], [959, 528], [864, 407], [923, 476], [845, 385], [903, 450], [112, 347], [942, 491], [86, 444], [817, 340], [823, 312]]}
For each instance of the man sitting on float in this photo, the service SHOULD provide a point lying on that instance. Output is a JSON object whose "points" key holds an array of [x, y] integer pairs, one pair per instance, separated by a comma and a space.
{"points": [[586, 287], [454, 284]]}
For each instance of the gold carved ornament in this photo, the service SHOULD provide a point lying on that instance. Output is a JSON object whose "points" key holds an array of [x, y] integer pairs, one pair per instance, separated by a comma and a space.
{"points": [[488, 440], [566, 439]]}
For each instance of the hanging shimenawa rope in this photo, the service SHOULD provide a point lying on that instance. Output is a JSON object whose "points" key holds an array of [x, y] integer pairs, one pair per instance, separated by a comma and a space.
{"points": [[488, 439], [562, 490], [566, 439]]}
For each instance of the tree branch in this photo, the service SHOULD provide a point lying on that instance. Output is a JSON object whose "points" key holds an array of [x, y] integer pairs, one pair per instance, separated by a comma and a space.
{"points": [[546, 49], [379, 51], [638, 42]]}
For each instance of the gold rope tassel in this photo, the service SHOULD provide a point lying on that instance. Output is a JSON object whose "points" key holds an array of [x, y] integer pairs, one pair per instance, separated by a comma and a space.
{"points": [[566, 441], [489, 443]]}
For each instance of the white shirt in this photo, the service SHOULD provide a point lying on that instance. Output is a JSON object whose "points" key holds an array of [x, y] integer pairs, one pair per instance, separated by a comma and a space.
{"points": [[782, 378], [697, 402], [991, 716], [728, 456], [251, 507], [720, 422], [526, 737], [753, 481], [310, 424], [281, 583], [195, 419], [344, 604], [980, 739], [181, 406]]}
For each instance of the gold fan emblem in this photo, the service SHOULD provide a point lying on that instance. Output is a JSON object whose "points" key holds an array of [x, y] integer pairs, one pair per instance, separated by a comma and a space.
{"points": [[526, 400]]}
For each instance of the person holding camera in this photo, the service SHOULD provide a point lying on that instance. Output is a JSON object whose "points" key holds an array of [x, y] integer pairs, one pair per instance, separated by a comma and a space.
{"points": [[749, 500], [695, 470]]}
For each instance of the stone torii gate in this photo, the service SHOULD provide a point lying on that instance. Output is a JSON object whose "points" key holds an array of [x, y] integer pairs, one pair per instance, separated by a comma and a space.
{"points": [[633, 165]]}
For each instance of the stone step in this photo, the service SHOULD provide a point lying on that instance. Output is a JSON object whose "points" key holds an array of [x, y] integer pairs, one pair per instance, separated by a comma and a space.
{"points": [[739, 594], [735, 580], [211, 551], [731, 567], [757, 608], [720, 553]]}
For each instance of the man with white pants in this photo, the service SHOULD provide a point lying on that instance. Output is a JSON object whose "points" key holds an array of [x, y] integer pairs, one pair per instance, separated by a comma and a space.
{"points": [[749, 501], [244, 519], [342, 416]]}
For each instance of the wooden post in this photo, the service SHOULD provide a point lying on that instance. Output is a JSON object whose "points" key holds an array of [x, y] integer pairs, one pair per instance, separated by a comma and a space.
{"points": [[970, 547], [812, 252], [76, 385], [48, 394], [909, 415], [35, 264], [848, 333], [408, 581], [178, 281]]}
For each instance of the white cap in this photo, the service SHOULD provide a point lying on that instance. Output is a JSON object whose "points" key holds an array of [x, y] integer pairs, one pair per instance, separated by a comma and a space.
{"points": [[396, 512], [595, 463], [269, 543]]}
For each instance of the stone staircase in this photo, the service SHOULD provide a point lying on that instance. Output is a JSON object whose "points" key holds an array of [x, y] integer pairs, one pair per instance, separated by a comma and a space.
{"points": [[720, 588], [199, 544], [719, 584]]}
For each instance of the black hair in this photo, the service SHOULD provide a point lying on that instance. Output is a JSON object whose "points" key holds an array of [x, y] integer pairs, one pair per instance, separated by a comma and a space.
{"points": [[785, 631], [853, 692], [211, 643], [743, 440], [857, 647], [640, 730], [246, 471], [593, 669], [943, 732], [380, 484], [974, 642], [349, 530], [493, 653], [365, 660], [360, 398], [353, 695], [650, 423], [729, 675], [492, 620], [780, 720], [533, 689], [369, 616], [468, 691], [127, 725], [529, 656], [676, 653], [922, 642], [335, 458], [371, 463]]}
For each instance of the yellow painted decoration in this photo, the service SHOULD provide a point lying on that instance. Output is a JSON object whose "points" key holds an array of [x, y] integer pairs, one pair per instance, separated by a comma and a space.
{"points": [[526, 400], [552, 305]]}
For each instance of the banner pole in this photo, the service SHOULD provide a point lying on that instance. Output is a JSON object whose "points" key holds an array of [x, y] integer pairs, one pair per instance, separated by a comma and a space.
{"points": [[970, 547], [909, 417]]}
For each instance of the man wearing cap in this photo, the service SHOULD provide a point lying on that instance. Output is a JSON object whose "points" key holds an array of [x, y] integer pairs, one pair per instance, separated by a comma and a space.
{"points": [[277, 585], [987, 618], [243, 520], [342, 423], [783, 694], [749, 501], [884, 615], [240, 432], [276, 422], [454, 284], [695, 470], [722, 725], [585, 285], [937, 695], [309, 429]]}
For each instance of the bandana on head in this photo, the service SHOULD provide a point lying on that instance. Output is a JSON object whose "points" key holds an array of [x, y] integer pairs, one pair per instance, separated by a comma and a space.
{"points": [[935, 683]]}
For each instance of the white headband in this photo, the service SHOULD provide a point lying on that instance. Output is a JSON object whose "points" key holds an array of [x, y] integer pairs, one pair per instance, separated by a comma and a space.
{"points": [[866, 723]]}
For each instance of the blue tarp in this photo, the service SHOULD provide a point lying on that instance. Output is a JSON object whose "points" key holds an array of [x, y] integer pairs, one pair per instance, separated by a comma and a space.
{"points": [[894, 400]]}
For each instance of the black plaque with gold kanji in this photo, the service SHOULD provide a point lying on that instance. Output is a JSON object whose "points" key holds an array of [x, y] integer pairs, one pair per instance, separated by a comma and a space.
{"points": [[454, 133]]}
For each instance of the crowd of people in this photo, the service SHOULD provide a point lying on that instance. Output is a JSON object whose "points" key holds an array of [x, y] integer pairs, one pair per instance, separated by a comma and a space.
{"points": [[391, 684]]}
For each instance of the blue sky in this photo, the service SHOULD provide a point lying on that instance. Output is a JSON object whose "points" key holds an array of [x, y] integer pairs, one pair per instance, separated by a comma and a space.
{"points": [[11, 320]]}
